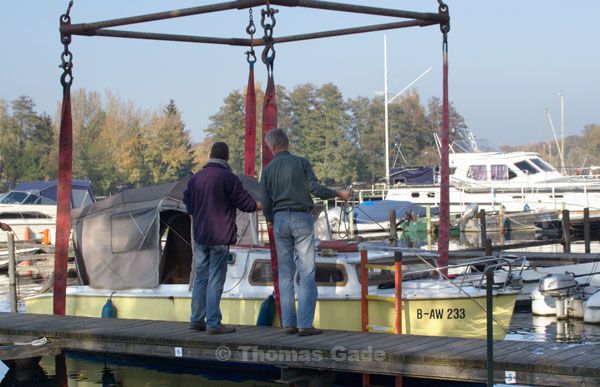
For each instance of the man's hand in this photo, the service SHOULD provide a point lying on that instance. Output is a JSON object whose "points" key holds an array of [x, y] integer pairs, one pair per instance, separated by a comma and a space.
{"points": [[258, 206], [344, 194], [5, 227]]}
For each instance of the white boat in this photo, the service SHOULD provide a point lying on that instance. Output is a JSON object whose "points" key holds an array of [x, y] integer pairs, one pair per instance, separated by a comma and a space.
{"points": [[516, 181], [119, 254], [566, 294], [30, 208]]}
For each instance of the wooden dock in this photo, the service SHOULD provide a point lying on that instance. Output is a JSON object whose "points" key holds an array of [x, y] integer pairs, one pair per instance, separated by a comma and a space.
{"points": [[536, 363]]}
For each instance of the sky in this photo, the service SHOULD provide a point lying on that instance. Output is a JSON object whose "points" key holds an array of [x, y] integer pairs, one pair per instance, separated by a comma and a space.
{"points": [[508, 60]]}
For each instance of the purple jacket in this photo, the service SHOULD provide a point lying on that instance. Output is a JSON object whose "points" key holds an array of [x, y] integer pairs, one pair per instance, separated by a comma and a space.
{"points": [[211, 197]]}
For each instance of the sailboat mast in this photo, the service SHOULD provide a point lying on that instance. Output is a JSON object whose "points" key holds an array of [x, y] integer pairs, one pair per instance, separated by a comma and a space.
{"points": [[385, 109]]}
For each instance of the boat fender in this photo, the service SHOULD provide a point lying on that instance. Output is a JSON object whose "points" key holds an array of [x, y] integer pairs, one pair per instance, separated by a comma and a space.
{"points": [[266, 313], [506, 224], [109, 310]]}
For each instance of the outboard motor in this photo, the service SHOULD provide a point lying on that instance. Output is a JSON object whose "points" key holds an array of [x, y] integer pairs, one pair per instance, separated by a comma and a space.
{"points": [[561, 287], [468, 215]]}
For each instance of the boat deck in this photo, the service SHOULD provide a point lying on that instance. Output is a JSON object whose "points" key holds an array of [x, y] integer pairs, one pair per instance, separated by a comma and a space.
{"points": [[415, 356]]}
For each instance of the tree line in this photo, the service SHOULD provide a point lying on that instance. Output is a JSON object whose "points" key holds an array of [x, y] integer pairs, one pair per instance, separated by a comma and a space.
{"points": [[117, 144]]}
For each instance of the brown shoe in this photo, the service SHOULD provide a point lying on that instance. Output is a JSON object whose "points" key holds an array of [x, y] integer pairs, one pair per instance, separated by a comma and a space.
{"points": [[309, 331], [198, 326], [220, 330], [290, 330]]}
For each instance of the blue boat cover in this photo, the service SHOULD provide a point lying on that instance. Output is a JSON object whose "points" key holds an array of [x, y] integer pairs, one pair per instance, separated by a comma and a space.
{"points": [[418, 175], [379, 210]]}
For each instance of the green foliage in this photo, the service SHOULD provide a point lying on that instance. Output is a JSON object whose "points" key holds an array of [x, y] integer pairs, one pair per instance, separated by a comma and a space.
{"points": [[115, 144]]}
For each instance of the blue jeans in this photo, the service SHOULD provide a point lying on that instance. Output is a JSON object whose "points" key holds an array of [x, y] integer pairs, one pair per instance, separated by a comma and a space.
{"points": [[210, 265], [295, 243]]}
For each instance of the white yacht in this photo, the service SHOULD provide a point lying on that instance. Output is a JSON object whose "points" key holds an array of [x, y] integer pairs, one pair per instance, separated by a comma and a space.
{"points": [[30, 208], [491, 179]]}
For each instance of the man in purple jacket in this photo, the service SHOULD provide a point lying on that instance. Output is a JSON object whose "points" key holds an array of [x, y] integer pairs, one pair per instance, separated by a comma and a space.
{"points": [[212, 196]]}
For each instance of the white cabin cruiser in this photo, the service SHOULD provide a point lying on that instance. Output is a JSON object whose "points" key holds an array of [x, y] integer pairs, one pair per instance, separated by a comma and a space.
{"points": [[30, 208], [491, 179]]}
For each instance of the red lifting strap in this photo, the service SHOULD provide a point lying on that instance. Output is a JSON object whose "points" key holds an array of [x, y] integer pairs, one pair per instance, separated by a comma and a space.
{"points": [[63, 219], [270, 122], [250, 149], [444, 225]]}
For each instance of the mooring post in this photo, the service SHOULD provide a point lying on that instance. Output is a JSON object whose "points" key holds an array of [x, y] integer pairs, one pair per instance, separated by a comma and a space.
{"points": [[566, 230], [12, 272], [586, 229], [393, 228], [483, 226], [489, 283]]}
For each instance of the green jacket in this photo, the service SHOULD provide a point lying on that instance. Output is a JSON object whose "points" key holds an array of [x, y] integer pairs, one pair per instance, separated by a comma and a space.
{"points": [[288, 182]]}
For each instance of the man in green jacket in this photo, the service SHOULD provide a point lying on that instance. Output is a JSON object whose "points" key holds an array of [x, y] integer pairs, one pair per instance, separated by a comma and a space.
{"points": [[287, 184]]}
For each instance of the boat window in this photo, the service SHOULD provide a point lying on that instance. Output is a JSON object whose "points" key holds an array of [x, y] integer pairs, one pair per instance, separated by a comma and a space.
{"points": [[477, 172], [134, 231], [542, 165], [326, 274], [452, 170], [81, 198], [431, 194], [261, 273], [230, 258], [511, 174], [377, 276], [14, 198], [499, 172], [526, 167], [414, 194]]}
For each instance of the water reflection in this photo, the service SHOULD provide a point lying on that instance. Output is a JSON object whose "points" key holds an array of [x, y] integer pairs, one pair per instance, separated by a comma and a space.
{"points": [[526, 327], [101, 370]]}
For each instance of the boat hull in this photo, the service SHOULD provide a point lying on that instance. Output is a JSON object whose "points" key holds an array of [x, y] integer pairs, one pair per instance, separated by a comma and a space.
{"points": [[458, 317]]}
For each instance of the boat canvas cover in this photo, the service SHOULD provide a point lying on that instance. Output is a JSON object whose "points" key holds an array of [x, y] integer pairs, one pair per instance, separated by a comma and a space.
{"points": [[379, 211], [419, 175], [122, 242], [48, 190]]}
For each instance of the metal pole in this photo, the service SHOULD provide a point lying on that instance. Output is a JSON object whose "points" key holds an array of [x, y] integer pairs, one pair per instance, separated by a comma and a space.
{"points": [[586, 229], [489, 279], [489, 282], [12, 272], [244, 42], [562, 131], [483, 226], [385, 112], [566, 230], [393, 229], [364, 303], [89, 28]]}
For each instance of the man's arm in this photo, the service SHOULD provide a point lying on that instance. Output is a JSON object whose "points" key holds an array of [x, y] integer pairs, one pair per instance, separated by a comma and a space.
{"points": [[267, 203], [186, 198], [240, 198], [316, 188]]}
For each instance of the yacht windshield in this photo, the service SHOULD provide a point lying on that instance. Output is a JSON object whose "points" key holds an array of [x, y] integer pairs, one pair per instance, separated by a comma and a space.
{"points": [[14, 198], [17, 197], [542, 165], [526, 167]]}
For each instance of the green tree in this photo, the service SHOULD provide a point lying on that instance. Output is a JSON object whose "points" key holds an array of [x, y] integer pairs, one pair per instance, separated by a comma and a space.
{"points": [[228, 125], [168, 154]]}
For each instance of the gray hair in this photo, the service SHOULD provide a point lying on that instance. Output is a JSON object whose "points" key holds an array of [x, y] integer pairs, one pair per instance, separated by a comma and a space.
{"points": [[277, 139]]}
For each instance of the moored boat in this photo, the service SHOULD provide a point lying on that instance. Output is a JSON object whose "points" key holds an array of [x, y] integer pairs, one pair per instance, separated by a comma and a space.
{"points": [[135, 248]]}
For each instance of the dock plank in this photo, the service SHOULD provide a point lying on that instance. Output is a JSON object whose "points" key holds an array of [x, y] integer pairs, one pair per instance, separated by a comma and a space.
{"points": [[418, 356]]}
